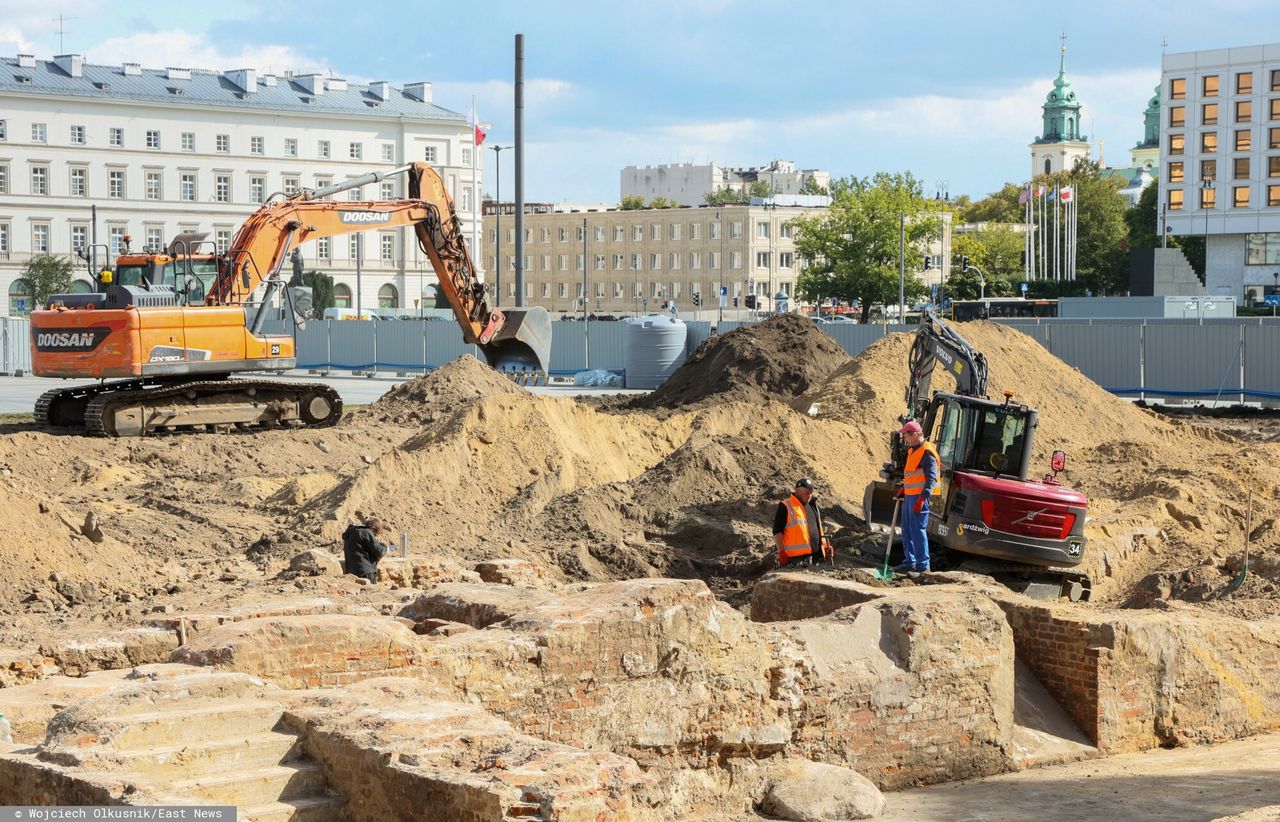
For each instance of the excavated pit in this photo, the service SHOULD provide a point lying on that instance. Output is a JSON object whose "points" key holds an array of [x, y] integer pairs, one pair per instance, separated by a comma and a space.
{"points": [[127, 553]]}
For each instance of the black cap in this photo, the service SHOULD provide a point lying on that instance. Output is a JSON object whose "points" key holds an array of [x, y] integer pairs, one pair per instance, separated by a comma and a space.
{"points": [[804, 482]]}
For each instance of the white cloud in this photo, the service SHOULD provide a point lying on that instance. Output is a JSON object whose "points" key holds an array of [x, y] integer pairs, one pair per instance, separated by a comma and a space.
{"points": [[184, 49]]}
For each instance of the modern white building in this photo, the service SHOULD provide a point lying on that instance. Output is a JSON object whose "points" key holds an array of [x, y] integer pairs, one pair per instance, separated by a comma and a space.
{"points": [[1220, 168], [168, 151], [688, 184]]}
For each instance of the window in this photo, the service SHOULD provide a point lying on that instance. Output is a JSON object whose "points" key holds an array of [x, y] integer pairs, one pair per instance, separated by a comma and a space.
{"points": [[1208, 198], [1244, 139], [1275, 110], [1240, 168], [1273, 138], [636, 262], [762, 259], [322, 149], [4, 238], [291, 146], [77, 135], [153, 187], [188, 141], [388, 190], [115, 183], [735, 230], [116, 234], [222, 143], [222, 188], [655, 231], [713, 259], [655, 262], [115, 136], [675, 231], [466, 157], [785, 259], [1176, 143], [153, 139], [355, 151], [40, 238], [673, 261], [20, 291], [356, 193], [39, 134], [562, 234], [1209, 142], [619, 233], [79, 182], [600, 262], [1275, 79], [599, 234], [1209, 114], [1273, 166], [4, 129], [322, 248], [784, 231], [1273, 195], [222, 240], [386, 247], [1175, 199], [1244, 111], [762, 231], [563, 262], [695, 231], [1178, 89], [544, 234], [1208, 169], [1177, 116], [715, 231], [563, 290], [429, 154], [1244, 82], [695, 261], [1240, 197], [341, 296], [257, 189], [354, 247], [79, 237], [39, 179], [4, 178], [188, 186], [1209, 85], [388, 152], [257, 145], [735, 259], [155, 237], [324, 182]]}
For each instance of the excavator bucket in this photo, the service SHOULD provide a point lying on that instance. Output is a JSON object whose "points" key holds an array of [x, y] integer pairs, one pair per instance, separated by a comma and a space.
{"points": [[521, 347], [877, 503]]}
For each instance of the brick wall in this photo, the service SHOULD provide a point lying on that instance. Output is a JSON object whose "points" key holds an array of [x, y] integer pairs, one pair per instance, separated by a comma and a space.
{"points": [[805, 596]]}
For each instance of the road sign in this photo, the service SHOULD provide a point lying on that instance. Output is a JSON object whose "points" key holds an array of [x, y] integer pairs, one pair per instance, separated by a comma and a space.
{"points": [[1024, 289], [1272, 299]]}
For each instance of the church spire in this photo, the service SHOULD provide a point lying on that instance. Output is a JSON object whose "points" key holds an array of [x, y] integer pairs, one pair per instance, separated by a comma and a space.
{"points": [[1061, 107]]}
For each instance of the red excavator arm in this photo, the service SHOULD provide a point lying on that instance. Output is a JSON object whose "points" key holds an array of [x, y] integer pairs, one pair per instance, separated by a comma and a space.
{"points": [[513, 341]]}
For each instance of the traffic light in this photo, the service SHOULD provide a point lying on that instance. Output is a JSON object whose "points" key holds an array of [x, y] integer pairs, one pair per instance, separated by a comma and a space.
{"points": [[928, 263], [751, 301], [735, 302], [697, 298], [964, 262]]}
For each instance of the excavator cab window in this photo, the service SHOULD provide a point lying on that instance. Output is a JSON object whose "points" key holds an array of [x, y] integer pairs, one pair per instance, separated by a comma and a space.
{"points": [[1001, 438], [131, 274], [166, 274]]}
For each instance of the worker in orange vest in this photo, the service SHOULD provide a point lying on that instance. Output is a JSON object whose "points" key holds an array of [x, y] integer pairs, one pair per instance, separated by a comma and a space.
{"points": [[797, 528], [919, 483]]}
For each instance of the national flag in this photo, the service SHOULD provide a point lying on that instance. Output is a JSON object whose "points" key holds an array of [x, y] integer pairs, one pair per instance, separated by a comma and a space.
{"points": [[1052, 194], [1068, 194], [1040, 192], [478, 134], [1024, 195]]}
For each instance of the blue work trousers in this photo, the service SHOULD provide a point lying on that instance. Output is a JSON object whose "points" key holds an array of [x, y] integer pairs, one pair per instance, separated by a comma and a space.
{"points": [[915, 537]]}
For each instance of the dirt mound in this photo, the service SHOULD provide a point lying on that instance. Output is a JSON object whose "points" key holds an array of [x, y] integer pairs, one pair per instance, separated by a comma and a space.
{"points": [[774, 360], [438, 394]]}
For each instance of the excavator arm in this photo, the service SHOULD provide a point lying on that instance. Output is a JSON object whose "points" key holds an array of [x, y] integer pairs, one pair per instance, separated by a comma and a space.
{"points": [[513, 341], [936, 341]]}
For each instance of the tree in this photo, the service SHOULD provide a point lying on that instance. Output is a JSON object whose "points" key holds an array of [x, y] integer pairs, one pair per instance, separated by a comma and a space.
{"points": [[1000, 207], [663, 202], [723, 197], [632, 202], [321, 286], [761, 189], [48, 274], [852, 251], [810, 186], [1143, 221], [997, 251], [1102, 262]]}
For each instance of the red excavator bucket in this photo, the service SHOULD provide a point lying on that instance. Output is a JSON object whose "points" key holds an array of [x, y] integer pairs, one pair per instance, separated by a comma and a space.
{"points": [[521, 347]]}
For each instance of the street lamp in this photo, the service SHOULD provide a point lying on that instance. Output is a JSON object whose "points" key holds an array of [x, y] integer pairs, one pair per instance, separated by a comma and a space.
{"points": [[1275, 297], [497, 222]]}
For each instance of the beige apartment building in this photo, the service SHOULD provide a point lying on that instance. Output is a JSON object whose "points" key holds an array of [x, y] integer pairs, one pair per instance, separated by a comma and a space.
{"points": [[636, 260]]}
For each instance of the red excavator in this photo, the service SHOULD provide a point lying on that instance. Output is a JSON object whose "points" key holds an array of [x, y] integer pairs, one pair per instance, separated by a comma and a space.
{"points": [[175, 338], [987, 517]]}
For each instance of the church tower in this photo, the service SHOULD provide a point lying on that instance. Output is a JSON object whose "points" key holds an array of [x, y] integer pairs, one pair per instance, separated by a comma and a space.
{"points": [[1147, 153], [1060, 144]]}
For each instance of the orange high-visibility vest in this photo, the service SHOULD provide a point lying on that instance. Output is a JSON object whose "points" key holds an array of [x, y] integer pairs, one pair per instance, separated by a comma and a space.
{"points": [[795, 536], [913, 475]]}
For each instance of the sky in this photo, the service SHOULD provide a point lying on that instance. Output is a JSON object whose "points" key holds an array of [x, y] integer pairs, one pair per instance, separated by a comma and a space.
{"points": [[948, 91]]}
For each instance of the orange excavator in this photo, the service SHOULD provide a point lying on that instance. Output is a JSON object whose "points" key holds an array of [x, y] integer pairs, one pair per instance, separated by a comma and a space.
{"points": [[174, 343]]}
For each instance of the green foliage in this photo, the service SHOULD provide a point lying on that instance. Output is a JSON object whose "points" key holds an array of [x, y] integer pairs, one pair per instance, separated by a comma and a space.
{"points": [[997, 252], [48, 274], [759, 188], [1000, 207], [810, 186], [724, 196], [1143, 221], [321, 286], [631, 202], [663, 202], [852, 251], [1102, 261]]}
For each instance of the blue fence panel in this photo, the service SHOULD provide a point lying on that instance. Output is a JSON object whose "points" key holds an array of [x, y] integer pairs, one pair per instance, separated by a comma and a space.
{"points": [[854, 337], [1035, 330], [607, 344], [352, 344], [1262, 361], [444, 344], [699, 332], [1192, 360], [313, 344], [401, 345], [15, 345], [1110, 355]]}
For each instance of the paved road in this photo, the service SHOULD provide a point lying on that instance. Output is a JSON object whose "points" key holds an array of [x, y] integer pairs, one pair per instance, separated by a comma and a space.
{"points": [[18, 394], [1184, 785]]}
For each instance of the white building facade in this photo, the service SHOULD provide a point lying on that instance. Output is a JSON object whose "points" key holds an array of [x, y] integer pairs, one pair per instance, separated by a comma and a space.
{"points": [[163, 152], [688, 184], [1220, 167]]}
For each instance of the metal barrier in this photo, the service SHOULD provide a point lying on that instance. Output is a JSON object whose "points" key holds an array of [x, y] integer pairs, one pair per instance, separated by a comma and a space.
{"points": [[15, 346]]}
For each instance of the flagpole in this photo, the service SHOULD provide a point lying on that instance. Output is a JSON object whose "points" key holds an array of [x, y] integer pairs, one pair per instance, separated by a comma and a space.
{"points": [[1031, 227], [1026, 235], [1075, 232], [1044, 259]]}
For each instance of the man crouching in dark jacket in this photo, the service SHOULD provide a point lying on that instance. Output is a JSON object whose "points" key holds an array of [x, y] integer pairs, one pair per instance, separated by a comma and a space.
{"points": [[362, 549]]}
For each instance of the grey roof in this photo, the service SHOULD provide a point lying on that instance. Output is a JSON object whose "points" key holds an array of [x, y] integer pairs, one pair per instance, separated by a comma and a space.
{"points": [[211, 88]]}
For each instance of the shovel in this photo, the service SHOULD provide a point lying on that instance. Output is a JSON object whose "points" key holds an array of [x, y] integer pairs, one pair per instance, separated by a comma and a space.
{"points": [[884, 573], [1244, 568]]}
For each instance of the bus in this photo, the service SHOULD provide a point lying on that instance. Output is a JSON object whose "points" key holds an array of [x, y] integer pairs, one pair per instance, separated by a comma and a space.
{"points": [[993, 308]]}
